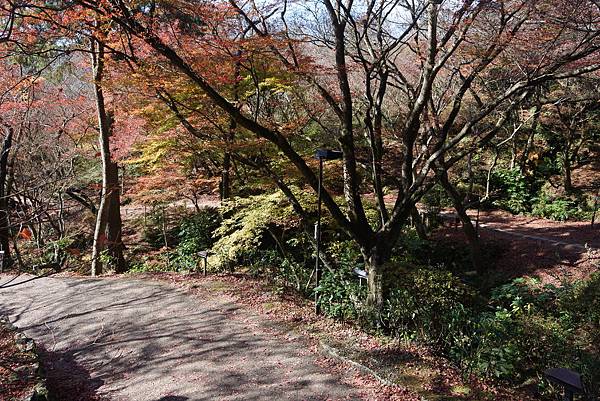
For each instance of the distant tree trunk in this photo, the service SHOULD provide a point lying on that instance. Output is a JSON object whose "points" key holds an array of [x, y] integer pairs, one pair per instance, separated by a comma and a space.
{"points": [[418, 223], [108, 230], [568, 183], [469, 230], [567, 168], [230, 137], [226, 171], [4, 206]]}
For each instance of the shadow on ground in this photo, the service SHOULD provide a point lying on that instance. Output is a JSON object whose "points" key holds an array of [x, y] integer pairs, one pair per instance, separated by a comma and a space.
{"points": [[66, 379], [133, 340]]}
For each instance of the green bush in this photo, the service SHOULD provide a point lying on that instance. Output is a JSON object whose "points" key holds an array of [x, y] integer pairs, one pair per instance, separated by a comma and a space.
{"points": [[512, 190], [558, 208], [437, 197], [145, 265], [340, 294], [517, 340], [428, 305], [533, 328], [246, 225], [195, 234], [153, 229]]}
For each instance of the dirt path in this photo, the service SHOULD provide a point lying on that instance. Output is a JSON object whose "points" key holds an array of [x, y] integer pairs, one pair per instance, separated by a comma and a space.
{"points": [[567, 233], [123, 339], [532, 246]]}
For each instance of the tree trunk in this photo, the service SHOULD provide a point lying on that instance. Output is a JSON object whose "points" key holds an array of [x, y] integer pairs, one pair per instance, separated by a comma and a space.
{"points": [[567, 182], [114, 224], [4, 211], [375, 261], [230, 136], [108, 231], [226, 173], [99, 236], [469, 230], [418, 223]]}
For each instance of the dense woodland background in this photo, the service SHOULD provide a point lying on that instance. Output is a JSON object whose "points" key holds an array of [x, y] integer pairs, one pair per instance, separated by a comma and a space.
{"points": [[139, 133]]}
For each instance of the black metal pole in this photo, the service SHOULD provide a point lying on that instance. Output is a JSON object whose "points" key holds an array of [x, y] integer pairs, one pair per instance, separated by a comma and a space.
{"points": [[318, 237], [568, 396], [596, 199]]}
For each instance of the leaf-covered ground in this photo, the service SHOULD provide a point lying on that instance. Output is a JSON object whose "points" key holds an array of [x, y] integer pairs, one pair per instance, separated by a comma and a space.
{"points": [[530, 246], [16, 382], [415, 371]]}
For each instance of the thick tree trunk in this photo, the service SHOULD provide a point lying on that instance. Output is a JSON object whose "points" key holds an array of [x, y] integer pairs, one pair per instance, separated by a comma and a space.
{"points": [[114, 224], [108, 231], [375, 261], [4, 208]]}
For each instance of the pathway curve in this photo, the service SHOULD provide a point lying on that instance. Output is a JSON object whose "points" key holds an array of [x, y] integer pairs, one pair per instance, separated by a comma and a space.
{"points": [[571, 235], [139, 340]]}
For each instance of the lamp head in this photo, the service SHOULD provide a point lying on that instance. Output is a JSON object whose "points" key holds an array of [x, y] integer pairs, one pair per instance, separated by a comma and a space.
{"points": [[328, 154]]}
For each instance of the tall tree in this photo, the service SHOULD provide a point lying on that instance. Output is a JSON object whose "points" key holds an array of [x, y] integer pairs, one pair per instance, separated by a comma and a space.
{"points": [[403, 88], [5, 231], [432, 76], [108, 231]]}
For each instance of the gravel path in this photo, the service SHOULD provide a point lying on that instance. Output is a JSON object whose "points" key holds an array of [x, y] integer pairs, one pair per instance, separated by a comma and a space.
{"points": [[137, 340]]}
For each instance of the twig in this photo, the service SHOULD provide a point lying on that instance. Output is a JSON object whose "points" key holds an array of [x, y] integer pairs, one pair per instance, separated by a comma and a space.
{"points": [[26, 281], [53, 337]]}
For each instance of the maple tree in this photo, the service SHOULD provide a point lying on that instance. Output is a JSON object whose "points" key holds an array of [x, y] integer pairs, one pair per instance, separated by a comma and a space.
{"points": [[415, 123], [42, 124], [421, 120], [406, 90]]}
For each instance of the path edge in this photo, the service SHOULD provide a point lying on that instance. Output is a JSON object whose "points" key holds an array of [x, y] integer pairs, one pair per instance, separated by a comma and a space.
{"points": [[27, 345]]}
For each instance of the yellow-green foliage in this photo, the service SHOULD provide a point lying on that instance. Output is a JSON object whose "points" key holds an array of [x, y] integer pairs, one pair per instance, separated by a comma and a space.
{"points": [[246, 221]]}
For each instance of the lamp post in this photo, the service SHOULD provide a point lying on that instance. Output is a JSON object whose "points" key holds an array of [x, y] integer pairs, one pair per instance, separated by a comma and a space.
{"points": [[321, 154], [569, 380]]}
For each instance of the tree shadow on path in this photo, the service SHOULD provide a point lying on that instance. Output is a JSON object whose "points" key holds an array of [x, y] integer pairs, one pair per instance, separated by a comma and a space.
{"points": [[66, 379]]}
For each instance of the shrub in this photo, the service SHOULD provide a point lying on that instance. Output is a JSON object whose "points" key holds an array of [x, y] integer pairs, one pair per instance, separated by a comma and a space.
{"points": [[340, 294], [437, 197], [428, 305], [195, 234], [153, 229], [512, 190], [533, 328], [558, 208], [247, 222]]}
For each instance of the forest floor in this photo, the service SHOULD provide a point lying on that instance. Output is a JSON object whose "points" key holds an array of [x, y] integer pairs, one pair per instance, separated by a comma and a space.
{"points": [[530, 246], [16, 382], [187, 337]]}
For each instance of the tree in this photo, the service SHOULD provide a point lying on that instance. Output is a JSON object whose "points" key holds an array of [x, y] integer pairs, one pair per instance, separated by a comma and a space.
{"points": [[108, 231], [405, 89], [422, 119]]}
